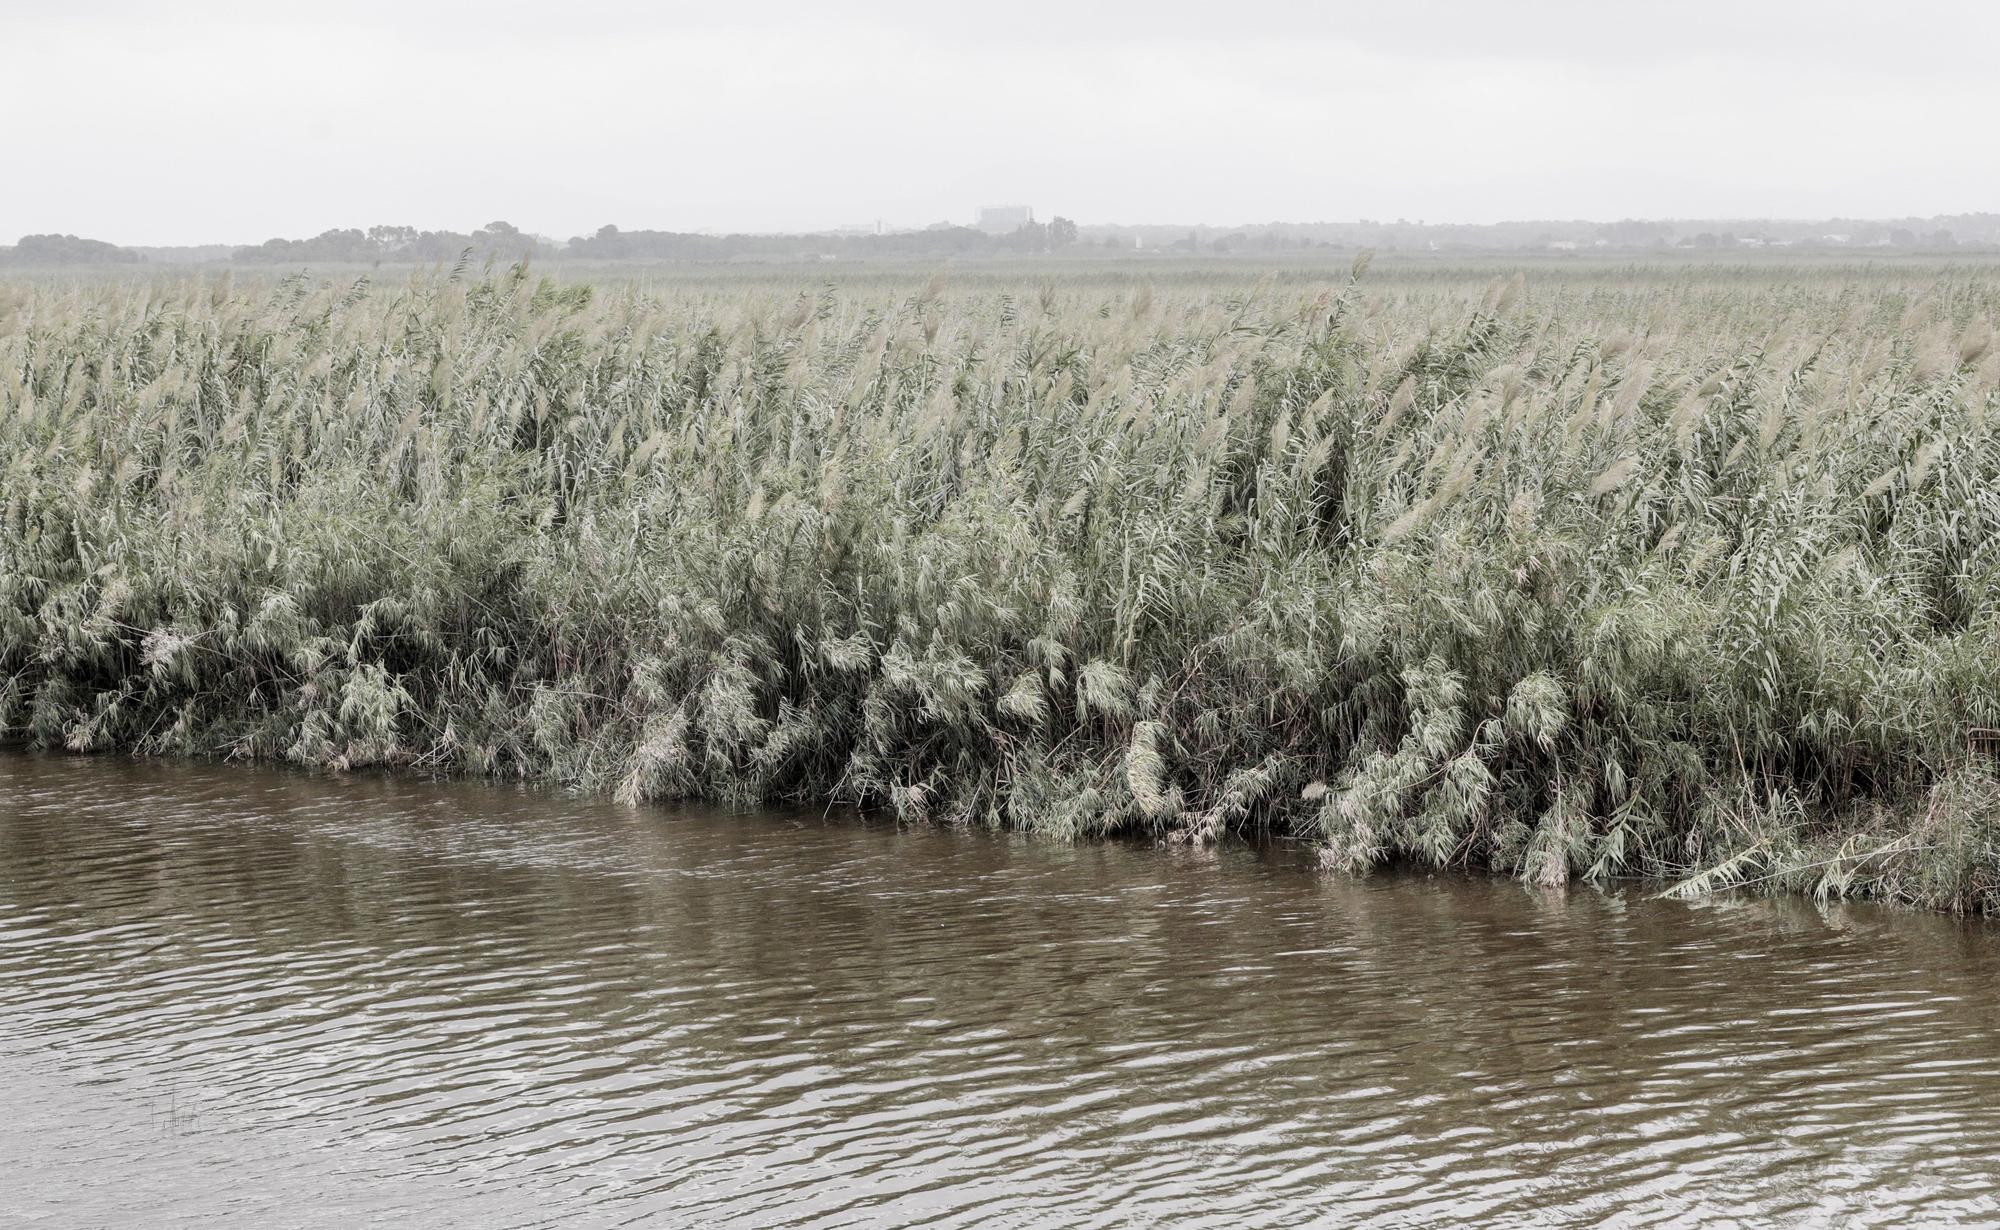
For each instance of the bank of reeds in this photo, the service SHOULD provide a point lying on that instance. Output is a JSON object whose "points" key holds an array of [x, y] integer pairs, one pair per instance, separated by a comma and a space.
{"points": [[1697, 582]]}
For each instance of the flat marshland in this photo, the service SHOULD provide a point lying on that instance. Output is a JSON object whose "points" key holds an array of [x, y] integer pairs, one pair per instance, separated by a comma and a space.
{"points": [[1677, 571]]}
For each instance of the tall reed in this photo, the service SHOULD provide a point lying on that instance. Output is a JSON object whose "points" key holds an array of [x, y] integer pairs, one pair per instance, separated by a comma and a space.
{"points": [[1613, 577]]}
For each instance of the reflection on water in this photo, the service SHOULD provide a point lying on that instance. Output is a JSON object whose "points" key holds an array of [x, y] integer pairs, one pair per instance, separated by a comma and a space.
{"points": [[310, 1001]]}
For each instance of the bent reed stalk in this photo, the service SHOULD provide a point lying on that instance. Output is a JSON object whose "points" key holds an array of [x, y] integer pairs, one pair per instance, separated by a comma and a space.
{"points": [[1696, 579]]}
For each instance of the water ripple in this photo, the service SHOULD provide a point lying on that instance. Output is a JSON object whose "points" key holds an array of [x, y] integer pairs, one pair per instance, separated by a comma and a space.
{"points": [[235, 995]]}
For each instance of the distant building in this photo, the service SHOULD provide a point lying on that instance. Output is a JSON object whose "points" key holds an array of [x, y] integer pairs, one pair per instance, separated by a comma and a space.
{"points": [[1002, 219]]}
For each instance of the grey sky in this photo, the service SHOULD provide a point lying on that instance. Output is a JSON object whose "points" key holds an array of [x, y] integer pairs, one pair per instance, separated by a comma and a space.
{"points": [[228, 120]]}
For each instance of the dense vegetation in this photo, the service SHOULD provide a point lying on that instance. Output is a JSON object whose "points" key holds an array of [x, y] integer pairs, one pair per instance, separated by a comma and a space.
{"points": [[1694, 576]]}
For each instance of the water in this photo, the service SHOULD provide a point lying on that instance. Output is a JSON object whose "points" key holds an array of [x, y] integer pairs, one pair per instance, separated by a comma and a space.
{"points": [[227, 993]]}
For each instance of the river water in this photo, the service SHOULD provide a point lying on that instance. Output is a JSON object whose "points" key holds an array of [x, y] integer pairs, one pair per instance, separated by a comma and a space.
{"points": [[232, 995]]}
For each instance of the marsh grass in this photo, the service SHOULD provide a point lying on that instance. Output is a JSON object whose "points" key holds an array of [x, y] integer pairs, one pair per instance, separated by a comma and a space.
{"points": [[1689, 577]]}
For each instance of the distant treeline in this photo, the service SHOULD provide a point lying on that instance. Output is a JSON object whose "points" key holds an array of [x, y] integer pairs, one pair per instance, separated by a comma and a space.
{"points": [[504, 242], [66, 250], [500, 240], [1628, 235]]}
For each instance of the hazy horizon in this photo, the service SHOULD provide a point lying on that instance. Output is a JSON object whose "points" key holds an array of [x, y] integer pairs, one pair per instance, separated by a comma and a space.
{"points": [[894, 226], [226, 123]]}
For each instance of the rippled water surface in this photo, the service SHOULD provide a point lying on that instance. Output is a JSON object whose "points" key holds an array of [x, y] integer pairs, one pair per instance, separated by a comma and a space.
{"points": [[300, 1001]]}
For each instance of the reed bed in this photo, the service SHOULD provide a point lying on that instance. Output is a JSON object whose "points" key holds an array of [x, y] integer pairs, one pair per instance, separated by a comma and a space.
{"points": [[1692, 577]]}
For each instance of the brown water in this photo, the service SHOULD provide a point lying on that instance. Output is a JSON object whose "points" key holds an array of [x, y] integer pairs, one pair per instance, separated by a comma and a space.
{"points": [[227, 994]]}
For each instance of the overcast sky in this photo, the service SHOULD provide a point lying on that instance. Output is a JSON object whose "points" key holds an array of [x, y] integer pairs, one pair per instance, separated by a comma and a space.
{"points": [[238, 120]]}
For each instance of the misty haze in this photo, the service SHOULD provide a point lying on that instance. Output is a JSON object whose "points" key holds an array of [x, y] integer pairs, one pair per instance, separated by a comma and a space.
{"points": [[1279, 614]]}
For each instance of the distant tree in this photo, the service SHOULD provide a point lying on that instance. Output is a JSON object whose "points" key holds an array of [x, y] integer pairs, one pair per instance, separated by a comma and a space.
{"points": [[1028, 237], [1632, 233], [1903, 237], [499, 240], [68, 250], [333, 245], [502, 241], [607, 244], [1062, 232]]}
